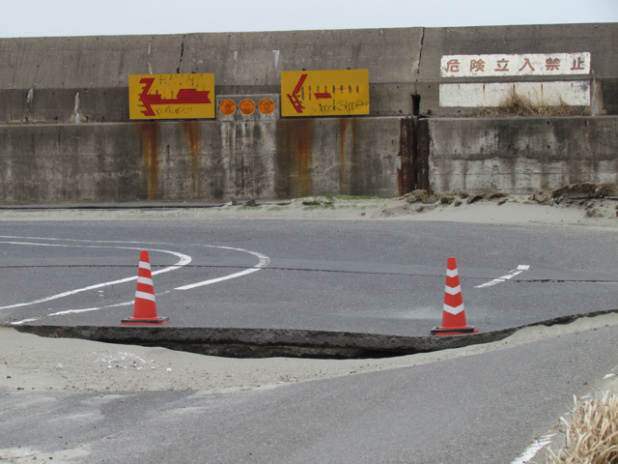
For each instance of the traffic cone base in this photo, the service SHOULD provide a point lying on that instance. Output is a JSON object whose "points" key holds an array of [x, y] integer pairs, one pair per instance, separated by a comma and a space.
{"points": [[453, 330], [153, 321], [145, 307], [454, 313]]}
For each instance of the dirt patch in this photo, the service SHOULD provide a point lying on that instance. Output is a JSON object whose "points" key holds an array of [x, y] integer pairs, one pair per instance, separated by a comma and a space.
{"points": [[579, 204]]}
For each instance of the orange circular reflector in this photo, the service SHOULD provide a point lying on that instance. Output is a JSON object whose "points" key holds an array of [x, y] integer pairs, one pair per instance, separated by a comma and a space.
{"points": [[267, 106], [228, 107], [247, 107]]}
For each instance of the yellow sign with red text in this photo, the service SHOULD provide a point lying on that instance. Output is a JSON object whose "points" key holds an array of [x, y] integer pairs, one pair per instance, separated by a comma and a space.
{"points": [[325, 93], [172, 96]]}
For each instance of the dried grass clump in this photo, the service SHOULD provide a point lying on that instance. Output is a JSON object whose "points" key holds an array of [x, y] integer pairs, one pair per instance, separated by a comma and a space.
{"points": [[522, 105], [592, 435]]}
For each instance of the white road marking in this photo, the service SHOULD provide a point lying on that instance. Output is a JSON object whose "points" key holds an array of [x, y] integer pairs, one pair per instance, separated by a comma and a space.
{"points": [[23, 321], [263, 262], [521, 268], [536, 446], [183, 261], [71, 311], [84, 310]]}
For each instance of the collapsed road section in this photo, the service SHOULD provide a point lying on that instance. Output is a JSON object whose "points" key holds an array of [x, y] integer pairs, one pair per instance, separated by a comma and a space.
{"points": [[263, 343]]}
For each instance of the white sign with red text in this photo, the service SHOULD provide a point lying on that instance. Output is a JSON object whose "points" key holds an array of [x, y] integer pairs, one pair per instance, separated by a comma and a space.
{"points": [[545, 64]]}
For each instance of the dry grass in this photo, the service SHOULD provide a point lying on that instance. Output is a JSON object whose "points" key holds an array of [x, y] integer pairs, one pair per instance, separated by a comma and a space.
{"points": [[522, 105], [592, 434]]}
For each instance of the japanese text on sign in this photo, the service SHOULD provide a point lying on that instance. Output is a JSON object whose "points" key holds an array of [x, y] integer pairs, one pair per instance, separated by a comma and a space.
{"points": [[552, 64], [325, 93], [172, 96]]}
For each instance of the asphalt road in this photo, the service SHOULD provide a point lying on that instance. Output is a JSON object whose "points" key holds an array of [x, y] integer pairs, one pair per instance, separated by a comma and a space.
{"points": [[380, 277], [482, 409], [375, 277]]}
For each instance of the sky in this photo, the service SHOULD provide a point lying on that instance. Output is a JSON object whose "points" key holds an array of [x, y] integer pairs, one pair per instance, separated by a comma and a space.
{"points": [[63, 18]]}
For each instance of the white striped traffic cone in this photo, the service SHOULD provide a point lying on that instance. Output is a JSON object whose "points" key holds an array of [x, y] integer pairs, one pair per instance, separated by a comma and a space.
{"points": [[145, 307], [454, 314]]}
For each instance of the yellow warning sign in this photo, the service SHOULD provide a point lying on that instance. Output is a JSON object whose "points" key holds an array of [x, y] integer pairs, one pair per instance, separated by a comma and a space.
{"points": [[325, 93], [171, 96]]}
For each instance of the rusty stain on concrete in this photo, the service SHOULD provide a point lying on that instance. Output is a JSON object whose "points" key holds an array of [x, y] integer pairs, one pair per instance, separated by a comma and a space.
{"points": [[356, 152], [343, 127], [192, 134], [406, 172], [302, 134], [347, 146], [422, 150], [359, 172], [150, 152]]}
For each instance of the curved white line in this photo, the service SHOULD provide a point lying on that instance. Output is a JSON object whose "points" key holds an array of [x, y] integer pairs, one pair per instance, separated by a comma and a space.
{"points": [[183, 261], [263, 261]]}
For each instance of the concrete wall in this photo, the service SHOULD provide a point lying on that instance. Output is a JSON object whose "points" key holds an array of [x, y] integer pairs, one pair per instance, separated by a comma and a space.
{"points": [[521, 155], [57, 79], [598, 39], [198, 160], [65, 135]]}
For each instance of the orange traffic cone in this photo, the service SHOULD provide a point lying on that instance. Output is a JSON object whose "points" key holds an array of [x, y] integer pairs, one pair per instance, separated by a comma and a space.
{"points": [[145, 307], [454, 314]]}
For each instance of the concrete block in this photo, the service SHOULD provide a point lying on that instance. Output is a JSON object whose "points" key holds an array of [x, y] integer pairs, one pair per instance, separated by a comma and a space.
{"points": [[521, 155]]}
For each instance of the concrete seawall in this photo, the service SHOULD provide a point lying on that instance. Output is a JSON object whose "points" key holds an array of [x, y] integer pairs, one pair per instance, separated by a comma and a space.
{"points": [[198, 160], [66, 135], [87, 77], [521, 155]]}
